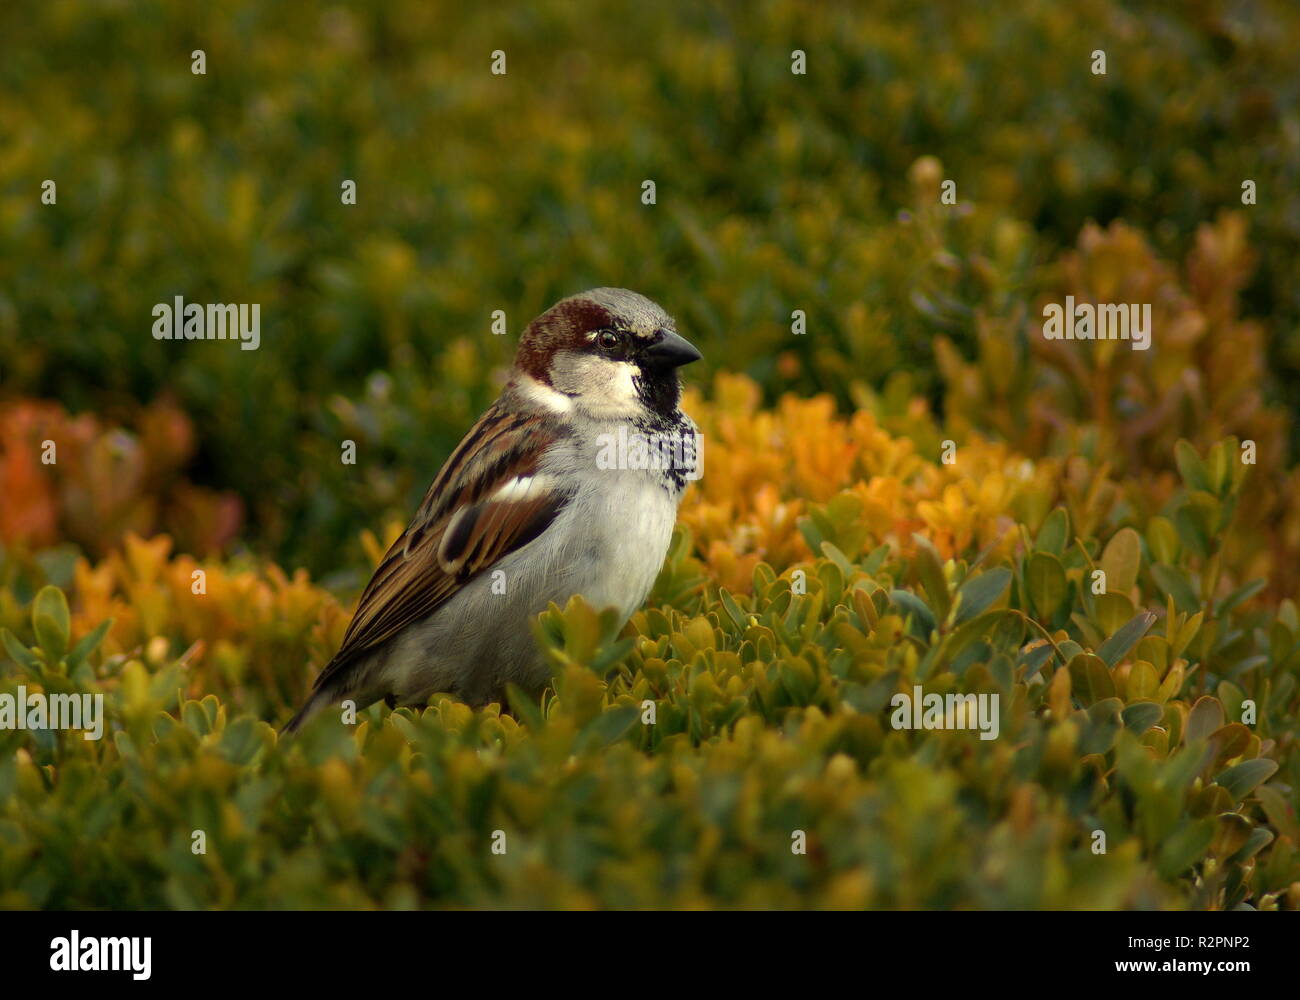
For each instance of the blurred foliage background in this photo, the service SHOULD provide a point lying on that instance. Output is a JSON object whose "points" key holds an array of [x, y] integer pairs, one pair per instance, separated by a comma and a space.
{"points": [[830, 556], [477, 192]]}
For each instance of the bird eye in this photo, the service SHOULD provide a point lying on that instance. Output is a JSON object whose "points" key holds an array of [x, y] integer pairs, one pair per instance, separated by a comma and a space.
{"points": [[608, 340]]}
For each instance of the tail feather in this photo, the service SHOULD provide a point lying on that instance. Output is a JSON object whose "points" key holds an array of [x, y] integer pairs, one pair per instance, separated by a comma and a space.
{"points": [[318, 700], [342, 677]]}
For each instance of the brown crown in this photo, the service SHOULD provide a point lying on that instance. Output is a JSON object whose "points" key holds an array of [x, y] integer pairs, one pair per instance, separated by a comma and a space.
{"points": [[564, 326]]}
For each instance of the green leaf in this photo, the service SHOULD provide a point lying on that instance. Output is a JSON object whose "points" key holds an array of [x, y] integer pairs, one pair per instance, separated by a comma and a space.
{"points": [[1184, 847], [877, 559], [1033, 659], [1206, 717], [1162, 539], [50, 620], [1243, 593], [912, 605], [608, 727], [1141, 716], [1279, 811], [1172, 582], [811, 534], [1045, 578], [525, 708], [1191, 468], [88, 643], [979, 591], [1111, 612], [1242, 778], [1196, 521], [1090, 679], [1185, 765], [733, 610], [1185, 635], [611, 656], [243, 739], [19, 653], [50, 601], [1230, 741], [930, 570], [1054, 533], [1259, 838], [1143, 681], [839, 559], [1104, 724], [962, 636], [1114, 649], [1120, 561], [1216, 466], [195, 719]]}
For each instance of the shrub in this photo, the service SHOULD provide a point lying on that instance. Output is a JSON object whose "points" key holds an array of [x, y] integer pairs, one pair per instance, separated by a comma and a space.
{"points": [[776, 192], [73, 481], [806, 587]]}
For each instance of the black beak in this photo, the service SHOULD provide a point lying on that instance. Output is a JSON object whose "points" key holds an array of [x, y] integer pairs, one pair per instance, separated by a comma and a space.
{"points": [[671, 350]]}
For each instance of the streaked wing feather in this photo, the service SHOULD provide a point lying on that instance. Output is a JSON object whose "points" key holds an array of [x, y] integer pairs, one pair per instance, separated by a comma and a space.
{"points": [[418, 573]]}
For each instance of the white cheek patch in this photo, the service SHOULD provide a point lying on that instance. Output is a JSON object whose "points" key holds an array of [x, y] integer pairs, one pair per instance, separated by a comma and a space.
{"points": [[600, 385], [545, 396], [620, 387]]}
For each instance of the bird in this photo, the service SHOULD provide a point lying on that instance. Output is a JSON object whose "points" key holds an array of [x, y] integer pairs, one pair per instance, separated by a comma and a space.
{"points": [[543, 499]]}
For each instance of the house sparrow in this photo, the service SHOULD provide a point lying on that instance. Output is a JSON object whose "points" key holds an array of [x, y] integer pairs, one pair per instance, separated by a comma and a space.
{"points": [[530, 509]]}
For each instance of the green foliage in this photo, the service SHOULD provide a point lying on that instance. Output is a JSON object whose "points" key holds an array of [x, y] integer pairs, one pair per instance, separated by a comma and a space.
{"points": [[776, 192], [1099, 555], [676, 763]]}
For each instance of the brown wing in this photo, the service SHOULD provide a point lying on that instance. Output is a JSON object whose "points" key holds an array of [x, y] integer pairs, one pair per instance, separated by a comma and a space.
{"points": [[486, 502]]}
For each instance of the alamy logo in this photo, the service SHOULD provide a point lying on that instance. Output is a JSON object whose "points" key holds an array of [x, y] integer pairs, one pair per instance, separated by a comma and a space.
{"points": [[102, 954], [216, 321], [1105, 321], [954, 711], [53, 711], [635, 450]]}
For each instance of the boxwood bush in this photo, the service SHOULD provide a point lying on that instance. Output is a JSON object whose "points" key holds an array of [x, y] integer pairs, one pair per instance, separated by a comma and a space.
{"points": [[919, 491], [733, 745], [775, 192]]}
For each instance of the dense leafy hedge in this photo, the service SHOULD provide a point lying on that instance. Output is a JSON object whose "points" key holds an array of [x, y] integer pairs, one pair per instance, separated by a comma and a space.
{"points": [[776, 192], [921, 490], [770, 679]]}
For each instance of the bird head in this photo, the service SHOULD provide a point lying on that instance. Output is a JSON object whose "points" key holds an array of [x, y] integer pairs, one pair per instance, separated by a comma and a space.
{"points": [[612, 352]]}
